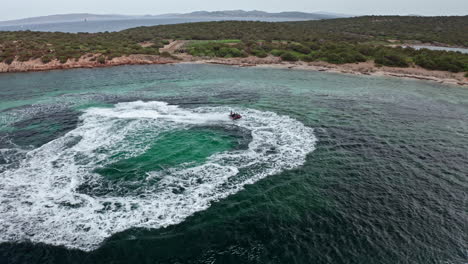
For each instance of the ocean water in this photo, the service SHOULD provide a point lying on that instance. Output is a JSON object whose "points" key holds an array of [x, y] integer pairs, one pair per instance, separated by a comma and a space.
{"points": [[462, 50], [118, 25], [142, 164]]}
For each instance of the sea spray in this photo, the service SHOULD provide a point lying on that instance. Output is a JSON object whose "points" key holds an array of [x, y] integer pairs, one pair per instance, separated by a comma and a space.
{"points": [[55, 196]]}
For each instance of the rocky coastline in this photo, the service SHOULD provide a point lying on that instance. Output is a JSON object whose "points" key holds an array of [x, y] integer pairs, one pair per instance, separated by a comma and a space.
{"points": [[364, 68]]}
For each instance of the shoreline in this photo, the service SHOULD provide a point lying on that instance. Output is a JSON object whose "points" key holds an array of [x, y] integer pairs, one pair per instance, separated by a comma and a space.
{"points": [[441, 77], [83, 62], [428, 44], [363, 68]]}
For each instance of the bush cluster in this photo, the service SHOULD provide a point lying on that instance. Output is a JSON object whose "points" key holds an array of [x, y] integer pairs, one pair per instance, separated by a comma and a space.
{"points": [[391, 58], [215, 49], [335, 52], [445, 61], [48, 46]]}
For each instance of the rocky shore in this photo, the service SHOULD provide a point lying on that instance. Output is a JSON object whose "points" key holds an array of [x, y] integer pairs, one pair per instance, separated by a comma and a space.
{"points": [[84, 62], [364, 68]]}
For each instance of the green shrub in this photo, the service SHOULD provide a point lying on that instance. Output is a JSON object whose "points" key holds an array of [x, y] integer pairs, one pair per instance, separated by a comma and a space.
{"points": [[47, 58], [266, 46], [229, 52], [288, 56], [308, 58], [25, 55], [331, 58], [352, 56], [63, 59], [101, 60], [313, 46], [299, 48], [391, 58], [366, 50], [214, 49], [340, 56], [277, 53], [149, 51], [259, 53], [444, 61]]}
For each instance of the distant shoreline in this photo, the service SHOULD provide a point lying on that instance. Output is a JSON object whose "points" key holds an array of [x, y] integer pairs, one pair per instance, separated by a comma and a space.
{"points": [[364, 68], [442, 46]]}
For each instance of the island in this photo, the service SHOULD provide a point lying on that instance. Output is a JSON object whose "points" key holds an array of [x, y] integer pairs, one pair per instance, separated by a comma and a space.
{"points": [[371, 45]]}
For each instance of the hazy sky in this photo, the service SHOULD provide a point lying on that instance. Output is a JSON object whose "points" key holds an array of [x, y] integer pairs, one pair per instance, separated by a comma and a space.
{"points": [[13, 9]]}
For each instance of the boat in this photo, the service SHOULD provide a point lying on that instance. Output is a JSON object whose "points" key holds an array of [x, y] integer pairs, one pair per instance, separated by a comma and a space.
{"points": [[234, 116]]}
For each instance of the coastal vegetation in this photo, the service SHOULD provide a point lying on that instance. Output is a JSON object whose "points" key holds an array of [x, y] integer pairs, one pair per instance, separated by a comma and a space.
{"points": [[337, 41], [447, 30], [335, 52], [47, 46]]}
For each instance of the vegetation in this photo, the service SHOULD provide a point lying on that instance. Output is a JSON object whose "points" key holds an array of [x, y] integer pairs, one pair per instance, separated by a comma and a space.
{"points": [[391, 58], [225, 48], [27, 45], [101, 59], [445, 61], [336, 53], [288, 56], [348, 40], [447, 30]]}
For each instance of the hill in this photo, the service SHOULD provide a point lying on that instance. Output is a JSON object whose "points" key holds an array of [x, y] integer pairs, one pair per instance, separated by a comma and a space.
{"points": [[255, 14], [446, 30], [229, 14]]}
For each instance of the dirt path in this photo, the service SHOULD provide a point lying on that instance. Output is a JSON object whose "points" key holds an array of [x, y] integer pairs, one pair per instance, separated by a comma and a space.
{"points": [[173, 46]]}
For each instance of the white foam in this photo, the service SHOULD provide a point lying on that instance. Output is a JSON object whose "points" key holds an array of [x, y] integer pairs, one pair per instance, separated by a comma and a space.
{"points": [[36, 196]]}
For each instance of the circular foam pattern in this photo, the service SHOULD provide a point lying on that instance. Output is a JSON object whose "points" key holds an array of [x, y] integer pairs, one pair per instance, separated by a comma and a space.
{"points": [[43, 198]]}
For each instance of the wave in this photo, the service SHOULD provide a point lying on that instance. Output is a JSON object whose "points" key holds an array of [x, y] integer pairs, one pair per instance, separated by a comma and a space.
{"points": [[43, 198]]}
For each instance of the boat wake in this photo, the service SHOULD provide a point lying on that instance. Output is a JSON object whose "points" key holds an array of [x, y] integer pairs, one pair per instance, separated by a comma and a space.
{"points": [[53, 195]]}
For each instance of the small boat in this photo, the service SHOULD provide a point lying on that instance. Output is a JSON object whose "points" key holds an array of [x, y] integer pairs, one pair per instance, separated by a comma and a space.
{"points": [[234, 116]]}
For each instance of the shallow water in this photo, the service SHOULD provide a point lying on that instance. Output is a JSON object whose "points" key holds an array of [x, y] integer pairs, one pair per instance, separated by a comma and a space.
{"points": [[141, 163], [418, 47]]}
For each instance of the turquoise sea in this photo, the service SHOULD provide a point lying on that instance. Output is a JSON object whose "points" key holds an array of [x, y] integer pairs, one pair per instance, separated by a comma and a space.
{"points": [[141, 164]]}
